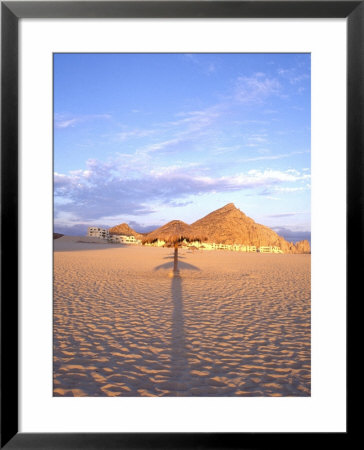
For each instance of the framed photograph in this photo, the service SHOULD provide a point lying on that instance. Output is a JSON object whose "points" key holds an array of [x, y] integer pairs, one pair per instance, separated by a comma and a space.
{"points": [[184, 181]]}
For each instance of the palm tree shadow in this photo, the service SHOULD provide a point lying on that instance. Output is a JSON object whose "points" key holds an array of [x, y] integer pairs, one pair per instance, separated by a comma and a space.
{"points": [[181, 265], [180, 370], [172, 257]]}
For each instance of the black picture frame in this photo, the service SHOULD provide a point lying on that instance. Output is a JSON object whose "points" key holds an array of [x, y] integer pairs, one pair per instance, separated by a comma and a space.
{"points": [[11, 12]]}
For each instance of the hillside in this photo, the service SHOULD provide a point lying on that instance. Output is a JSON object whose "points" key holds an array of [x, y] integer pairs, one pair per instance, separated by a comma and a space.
{"points": [[124, 229]]}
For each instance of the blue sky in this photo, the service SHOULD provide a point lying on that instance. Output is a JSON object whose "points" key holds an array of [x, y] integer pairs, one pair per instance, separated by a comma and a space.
{"points": [[148, 138]]}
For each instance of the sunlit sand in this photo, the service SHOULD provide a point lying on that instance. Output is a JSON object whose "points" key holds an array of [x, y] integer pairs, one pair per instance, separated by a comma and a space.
{"points": [[232, 324]]}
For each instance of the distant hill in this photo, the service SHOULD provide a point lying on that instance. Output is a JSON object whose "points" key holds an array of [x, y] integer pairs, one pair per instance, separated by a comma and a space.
{"points": [[57, 235], [229, 225], [124, 229]]}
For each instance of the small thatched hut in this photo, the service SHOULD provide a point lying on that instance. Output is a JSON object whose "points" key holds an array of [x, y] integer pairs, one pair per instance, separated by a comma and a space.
{"points": [[174, 232]]}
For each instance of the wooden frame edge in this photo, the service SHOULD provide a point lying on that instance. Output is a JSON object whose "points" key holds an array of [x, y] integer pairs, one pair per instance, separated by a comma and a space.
{"points": [[11, 12]]}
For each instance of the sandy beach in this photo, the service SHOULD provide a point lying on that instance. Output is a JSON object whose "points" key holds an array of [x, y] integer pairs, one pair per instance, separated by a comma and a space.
{"points": [[233, 324]]}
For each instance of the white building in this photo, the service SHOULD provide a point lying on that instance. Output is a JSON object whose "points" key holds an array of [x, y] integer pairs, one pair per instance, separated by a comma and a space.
{"points": [[124, 239], [232, 247], [270, 249], [98, 232]]}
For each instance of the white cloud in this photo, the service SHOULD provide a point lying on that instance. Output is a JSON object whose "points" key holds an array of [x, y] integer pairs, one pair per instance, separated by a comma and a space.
{"points": [[267, 157], [257, 139], [207, 66], [64, 121], [136, 133], [189, 126], [159, 146], [293, 75], [289, 189], [108, 189], [197, 119], [285, 214], [256, 88]]}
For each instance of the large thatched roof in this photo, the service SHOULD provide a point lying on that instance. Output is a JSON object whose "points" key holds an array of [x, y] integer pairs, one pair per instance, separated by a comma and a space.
{"points": [[172, 232], [226, 225]]}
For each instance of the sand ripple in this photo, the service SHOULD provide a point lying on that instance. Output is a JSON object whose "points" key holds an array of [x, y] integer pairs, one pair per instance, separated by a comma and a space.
{"points": [[234, 324]]}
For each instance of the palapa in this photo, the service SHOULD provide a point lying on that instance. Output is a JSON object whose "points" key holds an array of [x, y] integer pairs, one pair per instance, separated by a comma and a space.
{"points": [[173, 232]]}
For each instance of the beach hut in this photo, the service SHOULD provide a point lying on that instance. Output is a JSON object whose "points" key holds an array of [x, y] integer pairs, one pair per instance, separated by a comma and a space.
{"points": [[173, 233]]}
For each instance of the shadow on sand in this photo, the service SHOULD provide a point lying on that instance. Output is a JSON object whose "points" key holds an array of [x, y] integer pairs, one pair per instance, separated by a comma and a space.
{"points": [[181, 265], [172, 257], [77, 246], [180, 371]]}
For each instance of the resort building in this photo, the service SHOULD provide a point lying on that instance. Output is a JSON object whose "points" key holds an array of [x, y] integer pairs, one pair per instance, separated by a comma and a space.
{"points": [[214, 246], [98, 232], [236, 247], [114, 239], [123, 239], [232, 247], [263, 249], [129, 239], [103, 233], [251, 248]]}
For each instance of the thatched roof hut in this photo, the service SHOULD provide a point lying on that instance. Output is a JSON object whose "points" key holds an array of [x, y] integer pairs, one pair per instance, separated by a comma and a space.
{"points": [[173, 232]]}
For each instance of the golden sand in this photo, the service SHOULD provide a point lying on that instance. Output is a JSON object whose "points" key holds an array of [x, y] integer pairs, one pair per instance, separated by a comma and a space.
{"points": [[233, 324]]}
